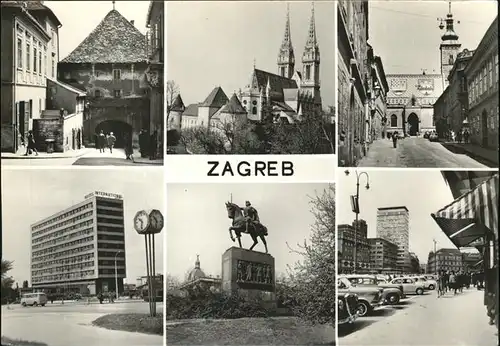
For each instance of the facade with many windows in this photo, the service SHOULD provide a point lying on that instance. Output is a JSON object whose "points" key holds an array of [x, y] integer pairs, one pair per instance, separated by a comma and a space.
{"points": [[76, 249], [482, 77], [30, 52], [383, 256], [445, 259], [354, 249]]}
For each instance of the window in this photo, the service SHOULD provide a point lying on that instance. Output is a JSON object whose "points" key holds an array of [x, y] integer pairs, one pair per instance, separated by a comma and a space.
{"points": [[53, 39], [117, 93], [282, 71], [117, 74], [28, 56], [450, 59], [35, 62], [45, 60], [53, 68], [39, 59], [394, 120], [308, 72], [490, 73], [496, 68], [19, 52], [97, 93], [254, 110]]}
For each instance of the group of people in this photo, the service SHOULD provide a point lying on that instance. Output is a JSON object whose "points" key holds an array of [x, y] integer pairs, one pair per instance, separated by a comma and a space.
{"points": [[105, 140], [462, 136], [148, 144], [451, 281]]}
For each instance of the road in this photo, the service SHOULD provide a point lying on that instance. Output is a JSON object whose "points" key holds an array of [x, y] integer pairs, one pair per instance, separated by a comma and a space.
{"points": [[70, 324], [415, 152], [92, 158], [459, 320]]}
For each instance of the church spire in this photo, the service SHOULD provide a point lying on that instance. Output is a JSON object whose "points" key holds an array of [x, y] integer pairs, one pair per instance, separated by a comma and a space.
{"points": [[286, 57], [311, 39], [450, 34], [197, 263]]}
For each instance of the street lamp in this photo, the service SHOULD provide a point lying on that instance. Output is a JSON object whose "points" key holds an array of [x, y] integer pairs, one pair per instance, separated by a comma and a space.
{"points": [[435, 257], [116, 274], [355, 209]]}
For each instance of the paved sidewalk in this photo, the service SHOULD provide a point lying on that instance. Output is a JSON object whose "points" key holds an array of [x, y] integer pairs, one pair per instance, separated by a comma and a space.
{"points": [[485, 155], [42, 155]]}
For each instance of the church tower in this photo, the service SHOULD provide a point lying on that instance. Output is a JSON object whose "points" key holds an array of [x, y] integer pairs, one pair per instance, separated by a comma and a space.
{"points": [[449, 47], [286, 58], [310, 63]]}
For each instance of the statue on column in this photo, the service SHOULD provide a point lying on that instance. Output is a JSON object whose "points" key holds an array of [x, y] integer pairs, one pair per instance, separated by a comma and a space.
{"points": [[246, 220]]}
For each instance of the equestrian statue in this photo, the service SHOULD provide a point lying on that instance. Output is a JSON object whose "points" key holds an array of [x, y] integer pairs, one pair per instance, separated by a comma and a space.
{"points": [[246, 220]]}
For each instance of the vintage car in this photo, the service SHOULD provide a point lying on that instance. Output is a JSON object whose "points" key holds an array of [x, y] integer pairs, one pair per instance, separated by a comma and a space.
{"points": [[391, 294], [429, 284], [410, 285], [347, 306], [369, 297]]}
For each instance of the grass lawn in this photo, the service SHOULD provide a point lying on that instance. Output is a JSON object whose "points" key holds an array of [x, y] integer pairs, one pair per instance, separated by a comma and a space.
{"points": [[250, 331], [140, 323], [11, 342]]}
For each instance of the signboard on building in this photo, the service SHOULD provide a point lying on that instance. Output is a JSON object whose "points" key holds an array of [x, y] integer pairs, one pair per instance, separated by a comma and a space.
{"points": [[104, 194]]}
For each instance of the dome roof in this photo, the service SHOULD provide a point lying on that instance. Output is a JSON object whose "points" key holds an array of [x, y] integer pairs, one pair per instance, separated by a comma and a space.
{"points": [[196, 272]]}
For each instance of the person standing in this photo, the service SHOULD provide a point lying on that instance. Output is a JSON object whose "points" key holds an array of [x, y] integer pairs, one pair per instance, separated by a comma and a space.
{"points": [[31, 144], [395, 139], [128, 146], [466, 136], [111, 141], [453, 282], [101, 141]]}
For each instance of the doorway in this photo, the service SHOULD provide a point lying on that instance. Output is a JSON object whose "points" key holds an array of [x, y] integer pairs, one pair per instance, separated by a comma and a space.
{"points": [[121, 130], [413, 124], [484, 128]]}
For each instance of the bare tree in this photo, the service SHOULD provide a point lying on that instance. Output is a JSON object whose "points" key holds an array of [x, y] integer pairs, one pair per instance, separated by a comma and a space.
{"points": [[172, 92], [172, 282]]}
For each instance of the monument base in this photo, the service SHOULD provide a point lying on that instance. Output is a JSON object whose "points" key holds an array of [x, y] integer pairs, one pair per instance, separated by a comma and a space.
{"points": [[249, 274]]}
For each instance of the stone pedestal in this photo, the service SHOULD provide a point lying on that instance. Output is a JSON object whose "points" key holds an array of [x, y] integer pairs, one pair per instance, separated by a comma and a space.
{"points": [[248, 273]]}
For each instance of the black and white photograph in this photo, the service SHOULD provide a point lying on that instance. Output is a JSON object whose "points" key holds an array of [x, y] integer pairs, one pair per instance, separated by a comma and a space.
{"points": [[418, 84], [251, 77], [75, 267], [417, 257], [250, 264], [82, 83]]}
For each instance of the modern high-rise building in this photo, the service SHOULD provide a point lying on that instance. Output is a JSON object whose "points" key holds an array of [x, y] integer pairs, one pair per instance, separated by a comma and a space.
{"points": [[75, 250], [350, 237], [383, 256], [393, 224]]}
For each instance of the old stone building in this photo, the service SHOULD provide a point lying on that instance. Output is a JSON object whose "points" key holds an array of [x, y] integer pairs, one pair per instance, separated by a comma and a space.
{"points": [[156, 54], [378, 88], [110, 65], [30, 48], [286, 96], [352, 74], [482, 78]]}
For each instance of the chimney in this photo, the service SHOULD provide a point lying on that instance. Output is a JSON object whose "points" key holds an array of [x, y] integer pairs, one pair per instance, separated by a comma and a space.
{"points": [[132, 22]]}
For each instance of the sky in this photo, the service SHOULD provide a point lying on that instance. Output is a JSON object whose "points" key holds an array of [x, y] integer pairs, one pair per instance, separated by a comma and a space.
{"points": [[80, 18], [422, 192], [30, 195], [209, 47], [405, 34], [197, 222]]}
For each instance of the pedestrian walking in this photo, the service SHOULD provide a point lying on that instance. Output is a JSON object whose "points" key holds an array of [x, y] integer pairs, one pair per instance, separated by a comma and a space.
{"points": [[31, 144], [453, 282], [466, 136], [441, 283], [395, 139], [111, 139], [101, 141], [128, 146]]}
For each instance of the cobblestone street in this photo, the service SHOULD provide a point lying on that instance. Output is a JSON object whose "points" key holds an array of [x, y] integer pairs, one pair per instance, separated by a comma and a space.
{"points": [[415, 152]]}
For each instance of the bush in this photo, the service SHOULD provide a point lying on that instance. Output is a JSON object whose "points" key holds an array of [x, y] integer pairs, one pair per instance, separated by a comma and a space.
{"points": [[214, 305]]}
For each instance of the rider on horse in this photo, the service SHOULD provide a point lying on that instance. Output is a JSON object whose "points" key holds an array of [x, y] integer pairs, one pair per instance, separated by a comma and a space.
{"points": [[251, 215]]}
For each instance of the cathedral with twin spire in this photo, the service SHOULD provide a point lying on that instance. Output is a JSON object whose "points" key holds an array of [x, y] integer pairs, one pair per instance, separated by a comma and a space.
{"points": [[287, 95]]}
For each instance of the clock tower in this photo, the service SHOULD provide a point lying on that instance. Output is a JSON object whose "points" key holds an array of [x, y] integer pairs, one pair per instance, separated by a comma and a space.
{"points": [[449, 46]]}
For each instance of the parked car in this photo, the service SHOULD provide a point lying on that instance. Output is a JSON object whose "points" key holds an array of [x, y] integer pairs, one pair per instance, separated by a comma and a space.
{"points": [[429, 284], [433, 137], [410, 285], [347, 306], [431, 277], [34, 299], [427, 134], [369, 297], [391, 294]]}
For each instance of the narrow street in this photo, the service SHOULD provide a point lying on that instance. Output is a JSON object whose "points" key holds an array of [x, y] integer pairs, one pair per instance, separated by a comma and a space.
{"points": [[415, 152], [91, 158], [426, 320]]}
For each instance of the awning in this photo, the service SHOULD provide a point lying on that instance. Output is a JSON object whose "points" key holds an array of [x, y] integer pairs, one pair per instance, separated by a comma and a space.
{"points": [[472, 215]]}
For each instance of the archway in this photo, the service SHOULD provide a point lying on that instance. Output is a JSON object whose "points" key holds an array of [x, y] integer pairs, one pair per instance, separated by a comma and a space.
{"points": [[413, 123], [121, 130]]}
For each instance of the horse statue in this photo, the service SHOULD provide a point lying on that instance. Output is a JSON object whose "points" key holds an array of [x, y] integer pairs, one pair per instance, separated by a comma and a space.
{"points": [[244, 224]]}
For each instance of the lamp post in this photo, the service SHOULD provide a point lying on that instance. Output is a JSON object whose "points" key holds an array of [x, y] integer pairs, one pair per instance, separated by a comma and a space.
{"points": [[116, 274], [355, 209], [435, 257]]}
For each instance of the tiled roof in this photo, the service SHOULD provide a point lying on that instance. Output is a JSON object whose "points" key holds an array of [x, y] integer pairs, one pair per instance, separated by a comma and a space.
{"points": [[290, 94], [233, 106], [71, 88], [284, 107], [217, 98], [277, 82], [178, 104], [192, 110], [420, 85], [114, 40]]}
